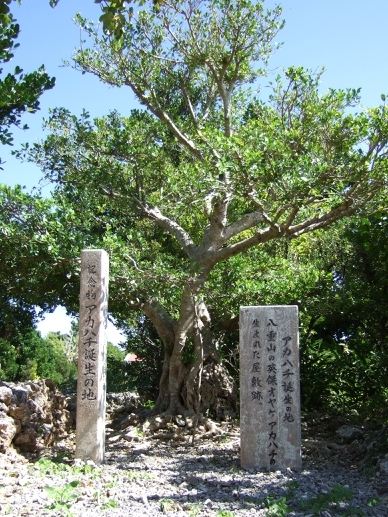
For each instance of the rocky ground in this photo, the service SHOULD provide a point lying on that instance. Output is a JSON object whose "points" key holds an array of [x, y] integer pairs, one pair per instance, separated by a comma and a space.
{"points": [[145, 475]]}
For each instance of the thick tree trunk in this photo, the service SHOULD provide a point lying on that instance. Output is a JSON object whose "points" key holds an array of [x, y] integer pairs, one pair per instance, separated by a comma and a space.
{"points": [[184, 379], [180, 382], [203, 384], [165, 327], [193, 384], [163, 399], [188, 344]]}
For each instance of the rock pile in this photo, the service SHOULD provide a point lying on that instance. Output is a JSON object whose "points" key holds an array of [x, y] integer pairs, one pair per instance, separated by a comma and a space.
{"points": [[218, 394], [33, 415]]}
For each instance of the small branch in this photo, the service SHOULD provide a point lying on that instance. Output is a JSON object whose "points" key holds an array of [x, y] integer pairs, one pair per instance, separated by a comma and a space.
{"points": [[258, 204], [190, 106], [346, 208], [357, 195], [213, 237], [210, 100], [173, 228], [246, 222], [234, 249], [150, 103], [110, 192], [164, 117], [293, 213], [227, 112], [225, 94], [134, 263], [162, 321]]}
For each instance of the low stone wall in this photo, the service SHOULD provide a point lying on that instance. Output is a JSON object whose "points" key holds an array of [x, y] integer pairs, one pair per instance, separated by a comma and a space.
{"points": [[33, 415]]}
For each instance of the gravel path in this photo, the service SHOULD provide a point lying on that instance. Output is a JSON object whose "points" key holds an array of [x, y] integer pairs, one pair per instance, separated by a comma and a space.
{"points": [[151, 477]]}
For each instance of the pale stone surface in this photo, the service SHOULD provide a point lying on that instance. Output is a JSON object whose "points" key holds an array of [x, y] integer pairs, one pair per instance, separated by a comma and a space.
{"points": [[91, 384], [269, 388], [8, 430], [5, 395], [32, 416]]}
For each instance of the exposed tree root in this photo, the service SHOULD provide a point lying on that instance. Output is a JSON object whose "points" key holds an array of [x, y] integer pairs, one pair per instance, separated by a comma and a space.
{"points": [[179, 427], [169, 427]]}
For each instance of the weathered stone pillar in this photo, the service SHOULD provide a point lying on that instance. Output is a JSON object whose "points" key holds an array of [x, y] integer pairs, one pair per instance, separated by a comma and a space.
{"points": [[91, 384], [270, 423]]}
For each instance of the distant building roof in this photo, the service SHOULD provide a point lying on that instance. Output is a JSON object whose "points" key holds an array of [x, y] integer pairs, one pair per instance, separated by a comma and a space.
{"points": [[131, 358]]}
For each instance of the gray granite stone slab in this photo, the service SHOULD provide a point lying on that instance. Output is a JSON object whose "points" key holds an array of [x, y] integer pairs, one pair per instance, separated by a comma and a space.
{"points": [[270, 419], [91, 383]]}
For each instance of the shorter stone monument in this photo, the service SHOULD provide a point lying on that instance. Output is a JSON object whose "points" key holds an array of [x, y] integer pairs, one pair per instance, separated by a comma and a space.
{"points": [[91, 383], [270, 424]]}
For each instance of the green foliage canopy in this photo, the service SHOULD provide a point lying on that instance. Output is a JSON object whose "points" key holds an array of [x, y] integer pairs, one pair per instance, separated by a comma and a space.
{"points": [[344, 359], [28, 356]]}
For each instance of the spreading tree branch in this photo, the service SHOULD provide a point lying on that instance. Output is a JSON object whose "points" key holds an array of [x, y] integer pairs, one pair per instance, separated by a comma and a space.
{"points": [[246, 222], [163, 116], [234, 249], [162, 321], [173, 228]]}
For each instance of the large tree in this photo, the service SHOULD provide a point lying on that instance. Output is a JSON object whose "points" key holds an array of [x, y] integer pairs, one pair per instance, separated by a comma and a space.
{"points": [[211, 169]]}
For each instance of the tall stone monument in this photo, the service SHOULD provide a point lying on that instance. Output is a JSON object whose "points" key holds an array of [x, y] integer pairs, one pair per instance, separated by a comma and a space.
{"points": [[91, 384], [270, 423]]}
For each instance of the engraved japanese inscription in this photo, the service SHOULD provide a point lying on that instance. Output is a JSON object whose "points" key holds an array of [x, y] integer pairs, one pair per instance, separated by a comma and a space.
{"points": [[91, 383], [269, 388]]}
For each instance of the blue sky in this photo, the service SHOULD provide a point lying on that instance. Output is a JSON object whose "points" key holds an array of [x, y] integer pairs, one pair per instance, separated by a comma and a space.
{"points": [[348, 37], [49, 36]]}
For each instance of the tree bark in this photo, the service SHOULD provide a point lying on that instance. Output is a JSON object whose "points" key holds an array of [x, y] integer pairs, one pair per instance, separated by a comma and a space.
{"points": [[180, 382]]}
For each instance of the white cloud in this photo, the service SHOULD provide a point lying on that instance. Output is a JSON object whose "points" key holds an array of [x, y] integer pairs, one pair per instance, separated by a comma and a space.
{"points": [[59, 321], [114, 335]]}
